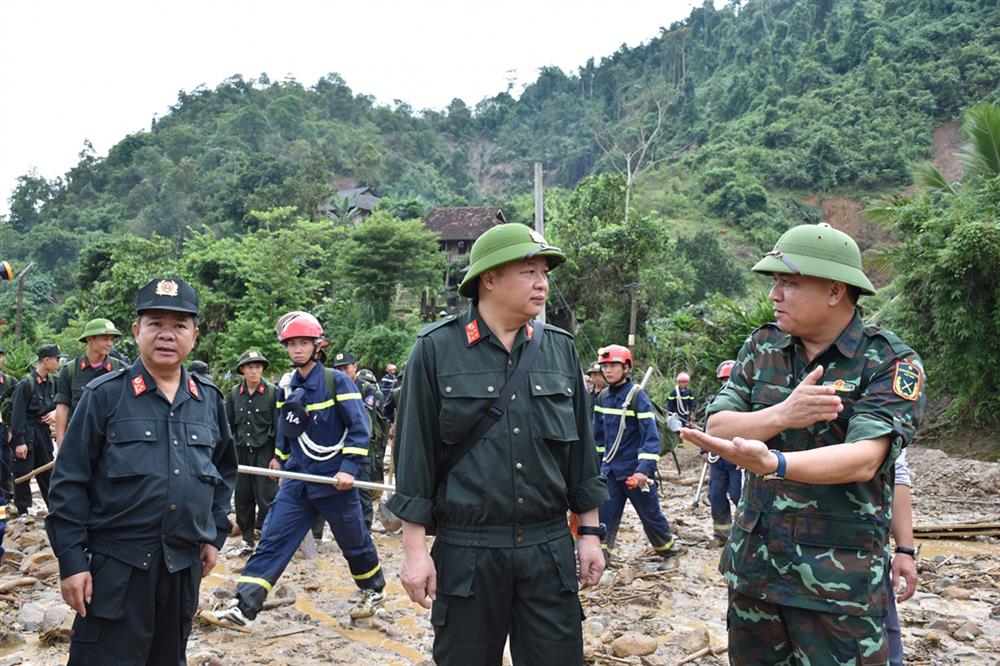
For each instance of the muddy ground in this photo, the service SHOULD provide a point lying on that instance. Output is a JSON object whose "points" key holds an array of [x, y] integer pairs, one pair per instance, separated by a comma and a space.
{"points": [[641, 607]]}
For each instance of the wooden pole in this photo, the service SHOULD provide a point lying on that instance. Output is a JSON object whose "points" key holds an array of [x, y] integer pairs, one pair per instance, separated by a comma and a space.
{"points": [[633, 315], [20, 302], [539, 217]]}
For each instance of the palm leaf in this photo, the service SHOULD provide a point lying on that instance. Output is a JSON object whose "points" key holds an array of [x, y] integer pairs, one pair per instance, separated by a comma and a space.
{"points": [[981, 154], [929, 177]]}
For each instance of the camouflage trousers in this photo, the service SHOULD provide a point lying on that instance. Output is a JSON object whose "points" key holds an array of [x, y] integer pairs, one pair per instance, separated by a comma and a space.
{"points": [[766, 634]]}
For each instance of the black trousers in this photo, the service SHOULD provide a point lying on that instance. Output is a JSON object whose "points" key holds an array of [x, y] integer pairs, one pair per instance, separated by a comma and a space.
{"points": [[253, 493], [137, 616], [39, 453]]}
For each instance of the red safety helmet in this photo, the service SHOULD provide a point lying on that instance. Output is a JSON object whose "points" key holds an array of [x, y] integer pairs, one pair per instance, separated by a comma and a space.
{"points": [[390, 367], [724, 370], [299, 324], [615, 354], [683, 377]]}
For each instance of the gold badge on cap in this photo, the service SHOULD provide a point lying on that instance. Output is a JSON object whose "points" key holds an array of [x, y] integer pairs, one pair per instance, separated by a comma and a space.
{"points": [[340, 356], [253, 354], [166, 288]]}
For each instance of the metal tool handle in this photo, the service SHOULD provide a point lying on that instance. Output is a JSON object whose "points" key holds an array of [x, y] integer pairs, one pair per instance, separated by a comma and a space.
{"points": [[701, 482], [311, 478]]}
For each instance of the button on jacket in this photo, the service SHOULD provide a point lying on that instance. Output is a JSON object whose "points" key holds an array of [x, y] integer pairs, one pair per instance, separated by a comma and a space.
{"points": [[814, 546], [137, 473], [536, 462], [253, 415]]}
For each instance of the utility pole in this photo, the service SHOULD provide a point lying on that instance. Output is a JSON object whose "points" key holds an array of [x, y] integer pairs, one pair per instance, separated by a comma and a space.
{"points": [[20, 302], [633, 315], [539, 216]]}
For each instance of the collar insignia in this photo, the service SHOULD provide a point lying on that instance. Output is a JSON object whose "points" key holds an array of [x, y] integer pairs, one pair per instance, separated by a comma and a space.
{"points": [[472, 332], [192, 387], [83, 364], [166, 288], [260, 387], [138, 385], [107, 366], [528, 330]]}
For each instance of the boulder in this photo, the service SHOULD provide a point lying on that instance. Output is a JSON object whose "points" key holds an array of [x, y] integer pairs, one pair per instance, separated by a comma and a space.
{"points": [[633, 645]]}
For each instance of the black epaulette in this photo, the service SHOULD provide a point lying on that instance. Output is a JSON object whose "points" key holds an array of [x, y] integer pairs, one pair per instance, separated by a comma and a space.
{"points": [[108, 376], [430, 328], [556, 329]]}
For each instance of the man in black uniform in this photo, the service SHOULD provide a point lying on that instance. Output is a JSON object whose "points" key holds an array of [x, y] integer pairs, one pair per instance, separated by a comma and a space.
{"points": [[503, 561], [253, 418], [99, 334], [140, 497], [31, 420], [7, 384]]}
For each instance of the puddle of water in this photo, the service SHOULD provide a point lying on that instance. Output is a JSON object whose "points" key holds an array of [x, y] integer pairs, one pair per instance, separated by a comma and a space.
{"points": [[368, 637], [967, 547]]}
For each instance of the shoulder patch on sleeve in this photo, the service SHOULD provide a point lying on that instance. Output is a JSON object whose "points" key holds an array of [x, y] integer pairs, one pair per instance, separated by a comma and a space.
{"points": [[105, 378], [907, 380], [440, 323]]}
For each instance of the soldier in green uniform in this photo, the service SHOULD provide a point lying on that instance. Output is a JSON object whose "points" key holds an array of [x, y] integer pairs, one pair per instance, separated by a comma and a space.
{"points": [[372, 398], [7, 384], [816, 410], [253, 419], [99, 335], [503, 560]]}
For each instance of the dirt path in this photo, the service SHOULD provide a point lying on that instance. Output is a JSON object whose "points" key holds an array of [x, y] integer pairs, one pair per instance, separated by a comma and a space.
{"points": [[953, 619]]}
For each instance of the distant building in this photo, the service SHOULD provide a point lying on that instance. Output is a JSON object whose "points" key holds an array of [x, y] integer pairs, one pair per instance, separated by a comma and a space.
{"points": [[458, 228], [354, 203]]}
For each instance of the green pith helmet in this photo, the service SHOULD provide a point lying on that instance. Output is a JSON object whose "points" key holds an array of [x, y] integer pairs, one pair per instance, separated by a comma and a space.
{"points": [[251, 357], [503, 243], [817, 250], [367, 375], [98, 327]]}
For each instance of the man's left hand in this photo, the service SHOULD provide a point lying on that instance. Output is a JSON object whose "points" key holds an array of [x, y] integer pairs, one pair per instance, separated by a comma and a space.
{"points": [[749, 454], [49, 418], [591, 561], [344, 481], [905, 566], [209, 556]]}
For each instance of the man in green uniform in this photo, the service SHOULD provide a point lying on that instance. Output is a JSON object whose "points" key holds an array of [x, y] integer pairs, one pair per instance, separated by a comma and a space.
{"points": [[140, 497], [31, 419], [816, 410], [253, 419], [503, 561], [99, 335]]}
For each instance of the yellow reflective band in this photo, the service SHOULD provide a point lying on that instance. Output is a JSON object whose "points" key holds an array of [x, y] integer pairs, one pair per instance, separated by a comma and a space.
{"points": [[256, 581], [348, 450], [619, 412], [645, 415], [3, 512], [604, 546], [281, 456], [667, 546], [348, 396], [280, 404], [319, 405], [601, 449], [649, 456], [366, 576]]}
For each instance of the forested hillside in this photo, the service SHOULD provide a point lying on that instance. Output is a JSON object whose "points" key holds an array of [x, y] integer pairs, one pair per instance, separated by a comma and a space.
{"points": [[668, 165]]}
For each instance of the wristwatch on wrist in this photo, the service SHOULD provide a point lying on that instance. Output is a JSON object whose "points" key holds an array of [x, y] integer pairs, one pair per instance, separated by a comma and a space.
{"points": [[778, 474], [912, 552], [600, 531]]}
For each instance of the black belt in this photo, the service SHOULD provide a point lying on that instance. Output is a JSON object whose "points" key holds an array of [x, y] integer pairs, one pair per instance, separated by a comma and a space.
{"points": [[504, 536]]}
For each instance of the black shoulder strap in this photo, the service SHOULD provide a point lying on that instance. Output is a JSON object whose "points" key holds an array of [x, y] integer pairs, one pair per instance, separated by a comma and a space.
{"points": [[331, 383], [496, 409]]}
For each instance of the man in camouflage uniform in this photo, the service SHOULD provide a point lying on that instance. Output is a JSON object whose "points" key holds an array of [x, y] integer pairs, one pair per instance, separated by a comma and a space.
{"points": [[816, 411]]}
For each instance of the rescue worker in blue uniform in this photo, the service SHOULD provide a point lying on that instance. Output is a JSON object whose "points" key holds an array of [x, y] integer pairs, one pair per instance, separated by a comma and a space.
{"points": [[680, 400], [31, 418], [629, 454], [140, 497], [323, 431], [347, 363], [726, 480]]}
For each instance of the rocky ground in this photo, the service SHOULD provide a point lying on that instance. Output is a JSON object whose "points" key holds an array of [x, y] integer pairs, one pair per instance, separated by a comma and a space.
{"points": [[643, 612]]}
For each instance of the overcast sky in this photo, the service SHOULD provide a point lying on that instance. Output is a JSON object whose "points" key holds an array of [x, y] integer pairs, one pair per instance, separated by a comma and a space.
{"points": [[72, 70]]}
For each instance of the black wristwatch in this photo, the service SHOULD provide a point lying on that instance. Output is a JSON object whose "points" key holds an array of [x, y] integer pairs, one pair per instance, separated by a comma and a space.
{"points": [[912, 552], [600, 531]]}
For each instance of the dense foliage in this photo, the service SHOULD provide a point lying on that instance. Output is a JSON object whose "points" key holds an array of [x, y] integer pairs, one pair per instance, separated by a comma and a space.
{"points": [[669, 165]]}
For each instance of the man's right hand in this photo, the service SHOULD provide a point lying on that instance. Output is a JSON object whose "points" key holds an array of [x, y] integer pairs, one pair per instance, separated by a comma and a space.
{"points": [[77, 591], [21, 451], [419, 577], [810, 403]]}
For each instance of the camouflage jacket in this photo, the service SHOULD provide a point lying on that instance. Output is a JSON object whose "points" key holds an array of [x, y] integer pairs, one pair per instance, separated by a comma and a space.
{"points": [[822, 547]]}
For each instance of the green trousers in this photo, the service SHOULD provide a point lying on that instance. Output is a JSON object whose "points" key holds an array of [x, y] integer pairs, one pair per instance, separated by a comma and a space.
{"points": [[528, 591]]}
